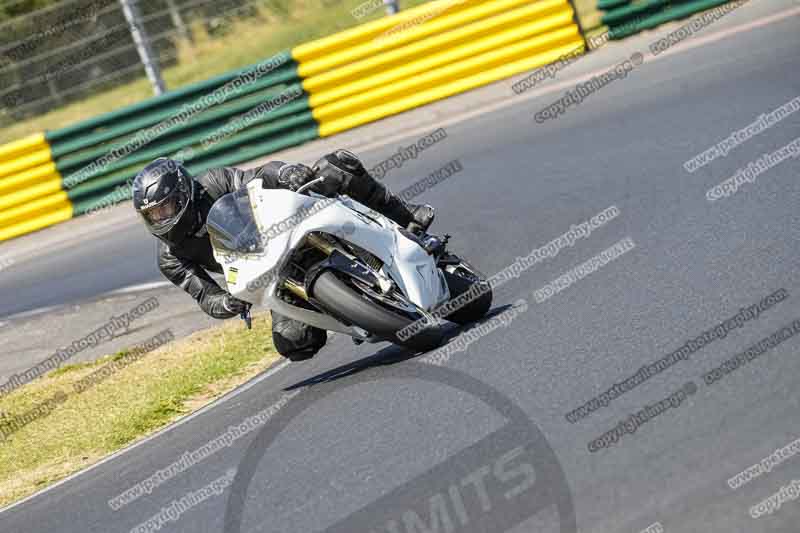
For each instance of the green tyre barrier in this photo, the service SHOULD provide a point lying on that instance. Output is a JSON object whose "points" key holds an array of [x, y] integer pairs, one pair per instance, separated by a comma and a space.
{"points": [[668, 15]]}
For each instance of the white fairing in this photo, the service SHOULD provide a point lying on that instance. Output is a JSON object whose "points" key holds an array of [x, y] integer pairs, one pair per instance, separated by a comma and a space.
{"points": [[285, 218]]}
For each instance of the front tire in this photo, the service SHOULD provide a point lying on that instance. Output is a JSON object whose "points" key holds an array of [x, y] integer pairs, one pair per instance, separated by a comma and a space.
{"points": [[345, 302]]}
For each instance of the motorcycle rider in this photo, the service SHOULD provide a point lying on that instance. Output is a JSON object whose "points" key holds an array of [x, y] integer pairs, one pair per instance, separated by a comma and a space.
{"points": [[174, 206]]}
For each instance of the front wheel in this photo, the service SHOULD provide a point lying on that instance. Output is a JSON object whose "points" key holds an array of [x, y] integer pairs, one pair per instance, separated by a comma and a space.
{"points": [[348, 303]]}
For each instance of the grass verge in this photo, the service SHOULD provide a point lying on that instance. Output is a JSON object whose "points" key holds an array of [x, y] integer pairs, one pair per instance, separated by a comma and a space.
{"points": [[154, 389]]}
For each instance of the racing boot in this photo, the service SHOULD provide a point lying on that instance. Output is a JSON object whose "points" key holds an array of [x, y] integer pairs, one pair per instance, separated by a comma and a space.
{"points": [[344, 171], [416, 218]]}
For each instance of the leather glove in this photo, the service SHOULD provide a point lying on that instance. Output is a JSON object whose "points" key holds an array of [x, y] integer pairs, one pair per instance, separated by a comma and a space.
{"points": [[234, 305], [294, 176], [339, 168]]}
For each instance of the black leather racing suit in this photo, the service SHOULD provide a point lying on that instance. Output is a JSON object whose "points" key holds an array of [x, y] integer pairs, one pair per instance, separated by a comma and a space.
{"points": [[186, 264]]}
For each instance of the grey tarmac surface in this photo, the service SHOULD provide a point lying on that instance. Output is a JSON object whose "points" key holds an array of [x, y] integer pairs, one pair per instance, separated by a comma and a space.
{"points": [[364, 456]]}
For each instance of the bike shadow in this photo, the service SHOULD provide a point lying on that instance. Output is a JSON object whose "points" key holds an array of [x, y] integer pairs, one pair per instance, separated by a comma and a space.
{"points": [[391, 354]]}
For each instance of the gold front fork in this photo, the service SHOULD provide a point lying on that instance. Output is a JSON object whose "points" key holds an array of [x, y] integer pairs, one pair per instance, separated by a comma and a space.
{"points": [[320, 244], [295, 289]]}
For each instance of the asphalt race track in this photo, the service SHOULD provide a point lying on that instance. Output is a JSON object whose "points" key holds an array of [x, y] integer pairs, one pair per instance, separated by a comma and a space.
{"points": [[374, 439]]}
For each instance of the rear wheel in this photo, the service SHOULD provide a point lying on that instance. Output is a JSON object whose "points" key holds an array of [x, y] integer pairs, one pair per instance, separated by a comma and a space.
{"points": [[459, 281], [355, 307]]}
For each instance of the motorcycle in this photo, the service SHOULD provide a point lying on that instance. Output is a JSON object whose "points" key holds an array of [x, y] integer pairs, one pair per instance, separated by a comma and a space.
{"points": [[348, 268]]}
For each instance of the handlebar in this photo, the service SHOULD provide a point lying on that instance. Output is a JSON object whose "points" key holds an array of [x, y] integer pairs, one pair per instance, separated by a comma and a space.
{"points": [[308, 185]]}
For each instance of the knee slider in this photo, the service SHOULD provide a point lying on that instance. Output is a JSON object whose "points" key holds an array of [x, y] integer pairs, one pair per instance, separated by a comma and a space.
{"points": [[297, 341]]}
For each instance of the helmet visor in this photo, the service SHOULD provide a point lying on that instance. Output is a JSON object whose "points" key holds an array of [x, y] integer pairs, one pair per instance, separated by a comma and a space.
{"points": [[164, 215]]}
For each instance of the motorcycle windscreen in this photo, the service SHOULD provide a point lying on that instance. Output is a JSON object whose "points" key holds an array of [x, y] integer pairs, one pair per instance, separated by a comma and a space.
{"points": [[232, 226]]}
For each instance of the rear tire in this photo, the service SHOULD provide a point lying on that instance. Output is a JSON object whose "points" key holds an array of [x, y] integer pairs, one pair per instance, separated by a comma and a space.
{"points": [[347, 303], [474, 310]]}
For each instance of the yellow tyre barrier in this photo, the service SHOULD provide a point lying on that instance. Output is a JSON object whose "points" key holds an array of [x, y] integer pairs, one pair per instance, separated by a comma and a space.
{"points": [[395, 106], [370, 30], [519, 23], [30, 193], [384, 42], [25, 161], [14, 149], [32, 209], [433, 51], [60, 213], [445, 66], [27, 178]]}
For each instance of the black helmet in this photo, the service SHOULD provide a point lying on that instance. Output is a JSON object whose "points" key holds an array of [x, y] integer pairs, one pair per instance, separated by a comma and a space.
{"points": [[163, 194]]}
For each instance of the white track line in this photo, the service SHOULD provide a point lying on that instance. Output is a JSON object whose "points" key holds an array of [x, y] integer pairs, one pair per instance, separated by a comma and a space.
{"points": [[683, 47], [140, 287], [33, 312], [124, 290]]}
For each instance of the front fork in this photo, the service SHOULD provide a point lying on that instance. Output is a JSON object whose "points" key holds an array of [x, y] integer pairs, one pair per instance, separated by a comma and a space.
{"points": [[327, 248]]}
